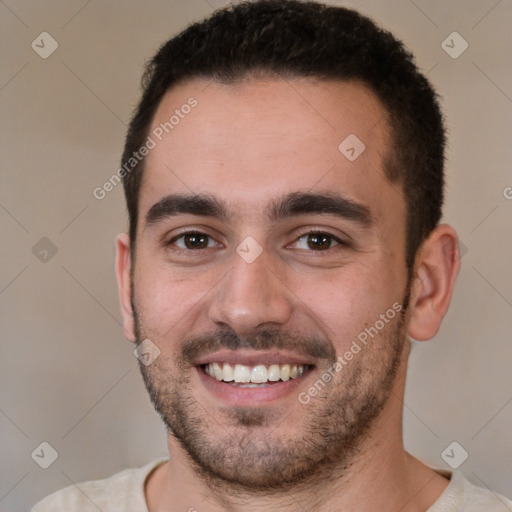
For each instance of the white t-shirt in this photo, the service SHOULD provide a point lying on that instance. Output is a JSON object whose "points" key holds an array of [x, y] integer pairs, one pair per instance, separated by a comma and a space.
{"points": [[124, 492]]}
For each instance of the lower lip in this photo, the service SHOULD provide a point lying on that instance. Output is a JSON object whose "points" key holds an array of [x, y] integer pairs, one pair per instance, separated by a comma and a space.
{"points": [[247, 397]]}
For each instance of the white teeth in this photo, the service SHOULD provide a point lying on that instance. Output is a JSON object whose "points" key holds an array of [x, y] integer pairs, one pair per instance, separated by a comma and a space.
{"points": [[217, 371], [285, 372], [242, 373], [274, 373], [259, 374], [227, 373]]}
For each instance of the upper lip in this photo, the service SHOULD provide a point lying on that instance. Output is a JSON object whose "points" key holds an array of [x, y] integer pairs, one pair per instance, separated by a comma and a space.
{"points": [[252, 358]]}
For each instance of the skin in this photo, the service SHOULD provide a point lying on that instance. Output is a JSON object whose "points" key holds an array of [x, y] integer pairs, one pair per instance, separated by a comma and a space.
{"points": [[249, 144]]}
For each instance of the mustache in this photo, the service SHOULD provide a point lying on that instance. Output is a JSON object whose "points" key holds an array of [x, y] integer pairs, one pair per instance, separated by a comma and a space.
{"points": [[267, 339]]}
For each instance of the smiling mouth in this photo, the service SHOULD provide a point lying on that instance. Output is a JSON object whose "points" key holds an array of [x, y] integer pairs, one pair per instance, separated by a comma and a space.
{"points": [[259, 375]]}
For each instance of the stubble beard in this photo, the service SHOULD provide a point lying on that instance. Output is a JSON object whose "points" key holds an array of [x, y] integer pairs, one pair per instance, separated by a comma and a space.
{"points": [[248, 450]]}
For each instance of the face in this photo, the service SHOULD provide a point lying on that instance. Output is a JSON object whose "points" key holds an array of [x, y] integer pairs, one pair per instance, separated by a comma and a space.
{"points": [[270, 258]]}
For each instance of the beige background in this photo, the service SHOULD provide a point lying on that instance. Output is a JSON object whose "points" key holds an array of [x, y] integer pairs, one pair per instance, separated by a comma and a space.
{"points": [[67, 375]]}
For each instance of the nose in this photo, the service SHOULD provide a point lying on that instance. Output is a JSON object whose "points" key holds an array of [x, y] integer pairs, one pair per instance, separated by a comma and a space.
{"points": [[251, 296]]}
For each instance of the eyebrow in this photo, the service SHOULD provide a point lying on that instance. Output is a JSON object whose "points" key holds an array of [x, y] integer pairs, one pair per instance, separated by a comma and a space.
{"points": [[300, 203], [290, 205], [192, 204]]}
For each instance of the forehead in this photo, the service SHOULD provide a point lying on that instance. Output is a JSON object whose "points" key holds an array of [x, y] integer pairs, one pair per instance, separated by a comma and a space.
{"points": [[256, 139]]}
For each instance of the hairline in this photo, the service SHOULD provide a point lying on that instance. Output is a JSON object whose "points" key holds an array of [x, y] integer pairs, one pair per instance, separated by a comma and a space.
{"points": [[390, 159]]}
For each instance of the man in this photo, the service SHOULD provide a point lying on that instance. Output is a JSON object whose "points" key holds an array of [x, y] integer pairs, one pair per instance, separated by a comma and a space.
{"points": [[284, 180]]}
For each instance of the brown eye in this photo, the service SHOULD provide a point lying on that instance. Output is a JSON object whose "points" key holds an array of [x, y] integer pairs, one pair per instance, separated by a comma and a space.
{"points": [[196, 241], [319, 241], [193, 241]]}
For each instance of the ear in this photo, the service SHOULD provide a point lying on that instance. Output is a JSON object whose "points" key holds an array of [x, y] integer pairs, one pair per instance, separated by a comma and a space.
{"points": [[124, 284], [436, 267]]}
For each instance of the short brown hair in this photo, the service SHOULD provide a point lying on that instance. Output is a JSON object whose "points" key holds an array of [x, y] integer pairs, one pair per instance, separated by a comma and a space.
{"points": [[292, 38]]}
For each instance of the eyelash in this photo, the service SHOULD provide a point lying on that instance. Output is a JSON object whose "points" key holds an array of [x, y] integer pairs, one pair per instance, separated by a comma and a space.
{"points": [[340, 244], [175, 238]]}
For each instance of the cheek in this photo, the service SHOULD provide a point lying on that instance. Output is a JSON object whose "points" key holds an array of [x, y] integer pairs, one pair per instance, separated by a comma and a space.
{"points": [[342, 303], [168, 303]]}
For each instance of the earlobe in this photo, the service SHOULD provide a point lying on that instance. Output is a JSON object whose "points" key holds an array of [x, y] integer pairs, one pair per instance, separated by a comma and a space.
{"points": [[124, 283], [436, 268]]}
